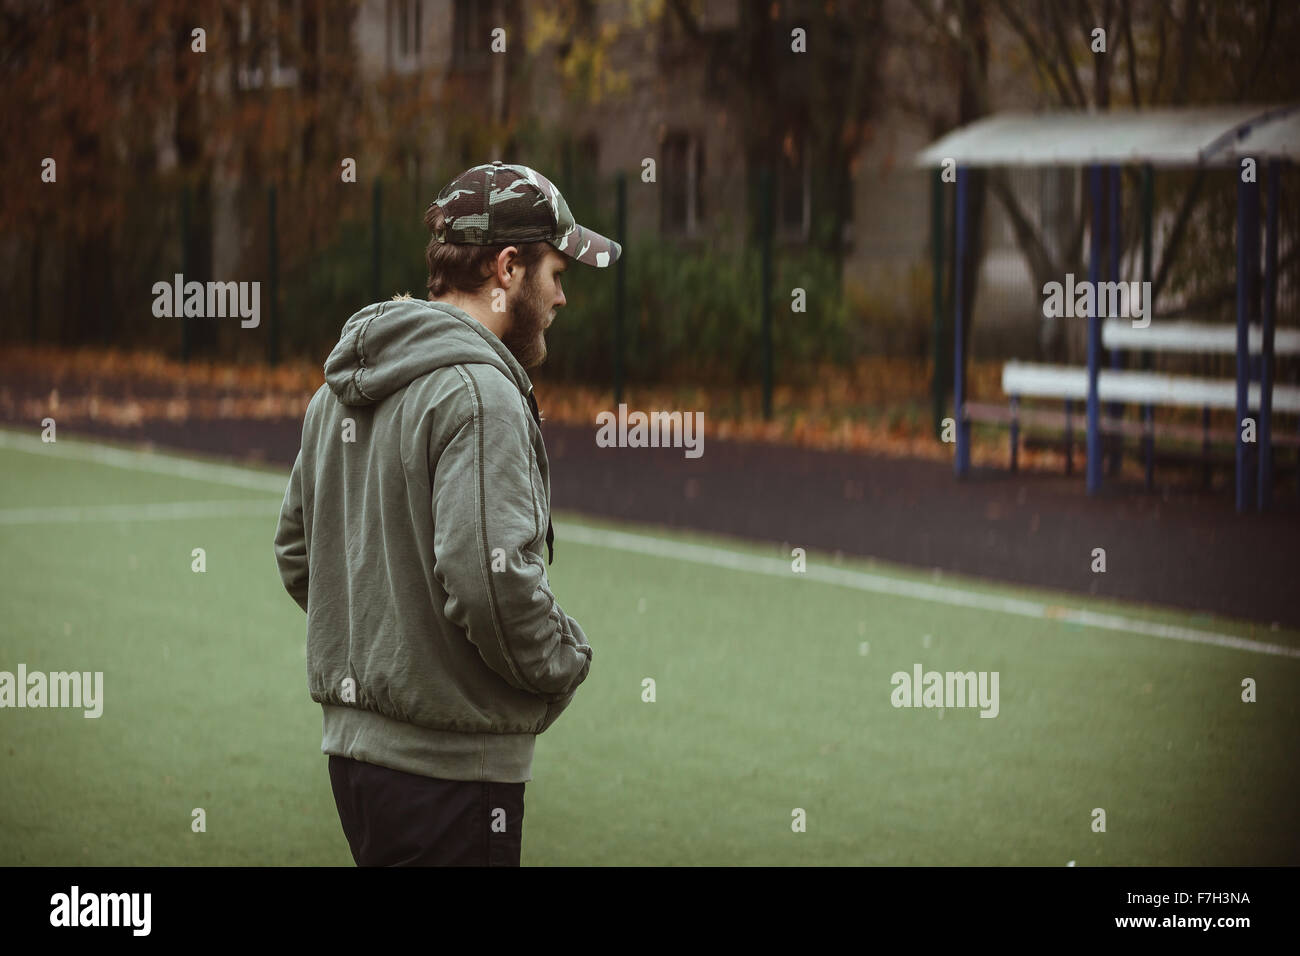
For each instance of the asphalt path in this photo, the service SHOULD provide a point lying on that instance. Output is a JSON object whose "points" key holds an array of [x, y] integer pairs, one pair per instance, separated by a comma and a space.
{"points": [[1179, 547]]}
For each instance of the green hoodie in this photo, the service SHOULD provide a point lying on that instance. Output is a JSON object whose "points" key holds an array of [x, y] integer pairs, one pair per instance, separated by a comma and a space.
{"points": [[411, 534]]}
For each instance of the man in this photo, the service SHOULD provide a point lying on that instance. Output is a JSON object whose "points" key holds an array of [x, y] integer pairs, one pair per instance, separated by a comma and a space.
{"points": [[412, 530]]}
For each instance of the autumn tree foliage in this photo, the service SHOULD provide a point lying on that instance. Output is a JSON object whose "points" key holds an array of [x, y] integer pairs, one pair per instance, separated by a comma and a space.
{"points": [[139, 105], [1098, 55]]}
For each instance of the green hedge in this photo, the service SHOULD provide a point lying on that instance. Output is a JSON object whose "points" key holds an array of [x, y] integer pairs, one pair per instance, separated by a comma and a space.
{"points": [[692, 310], [693, 314]]}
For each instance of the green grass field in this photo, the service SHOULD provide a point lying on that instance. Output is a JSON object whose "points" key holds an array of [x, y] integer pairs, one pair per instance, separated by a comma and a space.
{"points": [[772, 693]]}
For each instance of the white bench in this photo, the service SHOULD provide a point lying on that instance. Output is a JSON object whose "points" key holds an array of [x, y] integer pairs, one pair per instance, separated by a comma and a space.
{"points": [[1193, 337], [1137, 388], [1186, 337], [1070, 383]]}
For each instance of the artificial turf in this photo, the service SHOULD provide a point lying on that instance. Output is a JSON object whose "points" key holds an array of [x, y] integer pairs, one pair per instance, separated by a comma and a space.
{"points": [[772, 694]]}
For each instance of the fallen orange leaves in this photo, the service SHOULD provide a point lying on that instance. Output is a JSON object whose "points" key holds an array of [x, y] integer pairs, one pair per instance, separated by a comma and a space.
{"points": [[879, 405]]}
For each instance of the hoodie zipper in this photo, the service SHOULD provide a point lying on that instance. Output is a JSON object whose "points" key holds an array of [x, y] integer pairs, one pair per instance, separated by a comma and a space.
{"points": [[550, 533]]}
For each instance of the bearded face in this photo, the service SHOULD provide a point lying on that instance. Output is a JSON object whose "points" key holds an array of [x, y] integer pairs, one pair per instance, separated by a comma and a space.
{"points": [[528, 321]]}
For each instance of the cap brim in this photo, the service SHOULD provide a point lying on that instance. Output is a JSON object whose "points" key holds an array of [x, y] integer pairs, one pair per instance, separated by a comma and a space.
{"points": [[588, 247]]}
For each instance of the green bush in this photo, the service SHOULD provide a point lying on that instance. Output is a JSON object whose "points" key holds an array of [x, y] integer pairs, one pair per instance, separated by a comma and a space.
{"points": [[694, 314], [692, 311]]}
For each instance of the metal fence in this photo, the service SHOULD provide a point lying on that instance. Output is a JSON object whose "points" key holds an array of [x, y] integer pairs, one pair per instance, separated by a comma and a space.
{"points": [[692, 296]]}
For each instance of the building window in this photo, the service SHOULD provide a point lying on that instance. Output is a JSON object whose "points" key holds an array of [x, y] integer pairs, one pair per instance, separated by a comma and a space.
{"points": [[263, 56], [682, 176], [405, 34]]}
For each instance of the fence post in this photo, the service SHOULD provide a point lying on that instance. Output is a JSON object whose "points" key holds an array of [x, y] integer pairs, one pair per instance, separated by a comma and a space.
{"points": [[1206, 465], [1116, 355], [765, 238], [273, 268], [186, 261], [620, 281], [376, 221], [937, 218], [1264, 434], [961, 464], [36, 285], [1069, 436], [1247, 246], [1015, 433], [1148, 203], [1093, 479]]}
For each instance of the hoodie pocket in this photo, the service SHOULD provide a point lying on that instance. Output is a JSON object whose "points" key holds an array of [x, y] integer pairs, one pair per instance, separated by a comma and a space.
{"points": [[559, 617]]}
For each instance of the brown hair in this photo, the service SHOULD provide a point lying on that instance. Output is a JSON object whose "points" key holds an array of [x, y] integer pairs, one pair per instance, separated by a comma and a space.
{"points": [[460, 267]]}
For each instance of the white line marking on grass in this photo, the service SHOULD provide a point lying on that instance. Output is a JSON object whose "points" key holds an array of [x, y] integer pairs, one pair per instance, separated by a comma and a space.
{"points": [[895, 587], [145, 512], [697, 554], [80, 450]]}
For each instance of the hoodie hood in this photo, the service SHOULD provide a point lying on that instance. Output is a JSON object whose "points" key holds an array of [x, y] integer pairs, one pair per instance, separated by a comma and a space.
{"points": [[388, 345]]}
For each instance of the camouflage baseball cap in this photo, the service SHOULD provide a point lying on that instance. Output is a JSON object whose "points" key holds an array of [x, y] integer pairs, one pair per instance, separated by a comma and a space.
{"points": [[502, 203]]}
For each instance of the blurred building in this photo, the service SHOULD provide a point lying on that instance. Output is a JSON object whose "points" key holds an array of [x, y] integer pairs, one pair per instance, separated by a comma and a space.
{"points": [[672, 108], [413, 92]]}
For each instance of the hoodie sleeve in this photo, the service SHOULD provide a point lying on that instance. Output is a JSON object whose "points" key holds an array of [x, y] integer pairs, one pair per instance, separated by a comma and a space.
{"points": [[488, 525], [290, 539]]}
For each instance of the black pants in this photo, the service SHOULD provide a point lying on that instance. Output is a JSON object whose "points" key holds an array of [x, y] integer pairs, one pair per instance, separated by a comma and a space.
{"points": [[393, 818]]}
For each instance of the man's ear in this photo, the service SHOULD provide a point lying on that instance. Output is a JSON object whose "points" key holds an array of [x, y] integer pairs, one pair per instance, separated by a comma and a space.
{"points": [[508, 264]]}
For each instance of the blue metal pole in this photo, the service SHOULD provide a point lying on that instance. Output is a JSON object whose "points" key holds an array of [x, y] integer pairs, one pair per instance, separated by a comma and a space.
{"points": [[1269, 319], [1148, 443], [1148, 202], [1094, 333], [1069, 436], [1244, 196], [766, 214], [1207, 478], [620, 282], [1252, 319], [1116, 440], [187, 265], [938, 204], [1015, 433], [273, 279], [959, 345]]}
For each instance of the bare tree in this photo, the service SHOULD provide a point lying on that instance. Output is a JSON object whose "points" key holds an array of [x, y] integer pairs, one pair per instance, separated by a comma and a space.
{"points": [[1159, 53]]}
